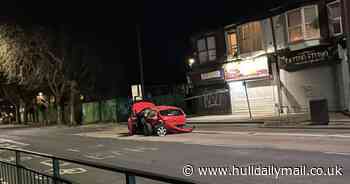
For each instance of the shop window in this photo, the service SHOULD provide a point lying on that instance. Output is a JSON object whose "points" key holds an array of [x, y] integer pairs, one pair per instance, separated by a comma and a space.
{"points": [[232, 47], [303, 24], [335, 19], [206, 49], [250, 37]]}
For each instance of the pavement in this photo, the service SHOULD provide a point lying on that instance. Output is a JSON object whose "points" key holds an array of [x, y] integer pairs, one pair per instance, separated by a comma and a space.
{"points": [[210, 145], [296, 120], [291, 121]]}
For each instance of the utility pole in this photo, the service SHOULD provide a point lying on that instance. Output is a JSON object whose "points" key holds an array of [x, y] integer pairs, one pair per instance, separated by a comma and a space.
{"points": [[140, 60]]}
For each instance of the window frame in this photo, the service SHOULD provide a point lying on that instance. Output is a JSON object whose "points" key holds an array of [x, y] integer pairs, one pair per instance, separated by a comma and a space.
{"points": [[230, 47], [340, 18], [206, 50], [303, 23], [241, 36]]}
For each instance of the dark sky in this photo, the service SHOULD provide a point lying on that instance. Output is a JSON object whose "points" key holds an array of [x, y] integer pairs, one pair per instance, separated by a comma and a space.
{"points": [[166, 26]]}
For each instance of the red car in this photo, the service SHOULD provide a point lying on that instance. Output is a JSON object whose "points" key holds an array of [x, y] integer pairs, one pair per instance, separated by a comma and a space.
{"points": [[149, 119]]}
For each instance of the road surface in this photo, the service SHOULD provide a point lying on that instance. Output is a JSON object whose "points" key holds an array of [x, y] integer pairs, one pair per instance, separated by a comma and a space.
{"points": [[209, 146]]}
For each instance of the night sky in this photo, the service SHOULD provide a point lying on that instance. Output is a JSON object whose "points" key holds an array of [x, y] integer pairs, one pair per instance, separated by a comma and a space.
{"points": [[166, 27]]}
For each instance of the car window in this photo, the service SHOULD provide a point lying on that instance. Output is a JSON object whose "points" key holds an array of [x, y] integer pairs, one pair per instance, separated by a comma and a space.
{"points": [[151, 114], [171, 112]]}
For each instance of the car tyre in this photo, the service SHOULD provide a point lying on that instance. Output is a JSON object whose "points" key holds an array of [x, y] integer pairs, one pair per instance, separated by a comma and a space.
{"points": [[147, 129], [160, 130]]}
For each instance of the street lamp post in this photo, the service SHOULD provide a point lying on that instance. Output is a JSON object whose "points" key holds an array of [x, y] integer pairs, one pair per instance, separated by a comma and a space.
{"points": [[140, 60]]}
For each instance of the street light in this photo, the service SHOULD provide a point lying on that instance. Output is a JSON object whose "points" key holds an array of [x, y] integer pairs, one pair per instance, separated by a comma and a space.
{"points": [[191, 61]]}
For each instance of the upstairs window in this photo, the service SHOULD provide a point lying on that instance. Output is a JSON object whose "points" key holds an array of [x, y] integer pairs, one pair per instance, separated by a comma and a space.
{"points": [[250, 37], [335, 19], [303, 24], [206, 49], [232, 48], [295, 26]]}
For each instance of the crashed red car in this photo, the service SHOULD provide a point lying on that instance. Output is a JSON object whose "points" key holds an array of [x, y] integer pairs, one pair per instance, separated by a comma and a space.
{"points": [[148, 119]]}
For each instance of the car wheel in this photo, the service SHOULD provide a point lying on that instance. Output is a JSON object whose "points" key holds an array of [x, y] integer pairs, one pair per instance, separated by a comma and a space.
{"points": [[147, 129], [161, 130]]}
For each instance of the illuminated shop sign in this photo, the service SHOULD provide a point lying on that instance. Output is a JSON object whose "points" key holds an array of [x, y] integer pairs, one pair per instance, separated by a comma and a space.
{"points": [[247, 69], [211, 75], [295, 60]]}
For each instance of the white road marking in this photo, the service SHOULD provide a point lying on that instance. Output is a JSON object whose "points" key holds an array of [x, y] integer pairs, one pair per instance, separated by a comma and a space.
{"points": [[99, 156], [70, 171], [277, 134], [7, 145], [305, 135], [49, 163], [73, 150], [337, 153], [26, 158], [148, 149], [133, 149], [13, 142], [13, 159], [117, 153]]}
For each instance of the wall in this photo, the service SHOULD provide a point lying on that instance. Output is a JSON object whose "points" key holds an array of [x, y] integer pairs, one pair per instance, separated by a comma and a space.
{"points": [[303, 85], [343, 78]]}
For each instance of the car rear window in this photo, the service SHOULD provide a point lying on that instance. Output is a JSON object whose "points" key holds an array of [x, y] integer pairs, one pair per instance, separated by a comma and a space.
{"points": [[171, 112]]}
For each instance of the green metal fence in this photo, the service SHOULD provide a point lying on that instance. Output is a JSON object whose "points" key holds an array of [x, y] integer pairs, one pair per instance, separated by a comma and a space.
{"points": [[17, 173], [100, 111], [117, 110], [90, 112], [109, 110]]}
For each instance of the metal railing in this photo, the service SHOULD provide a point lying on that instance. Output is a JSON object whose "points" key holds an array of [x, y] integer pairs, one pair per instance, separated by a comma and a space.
{"points": [[17, 173]]}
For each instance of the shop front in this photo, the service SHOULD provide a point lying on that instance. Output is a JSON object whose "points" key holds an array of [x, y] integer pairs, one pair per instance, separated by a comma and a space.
{"points": [[211, 95], [311, 73], [252, 89]]}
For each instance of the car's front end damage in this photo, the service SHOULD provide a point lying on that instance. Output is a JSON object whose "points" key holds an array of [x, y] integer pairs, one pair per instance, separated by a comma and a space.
{"points": [[149, 119]]}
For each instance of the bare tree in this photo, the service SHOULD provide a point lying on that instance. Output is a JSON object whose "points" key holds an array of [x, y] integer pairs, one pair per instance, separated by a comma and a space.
{"points": [[27, 59], [36, 58], [57, 82]]}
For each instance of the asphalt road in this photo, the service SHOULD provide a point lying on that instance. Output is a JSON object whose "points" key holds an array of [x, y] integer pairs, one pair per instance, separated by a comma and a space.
{"points": [[208, 146]]}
